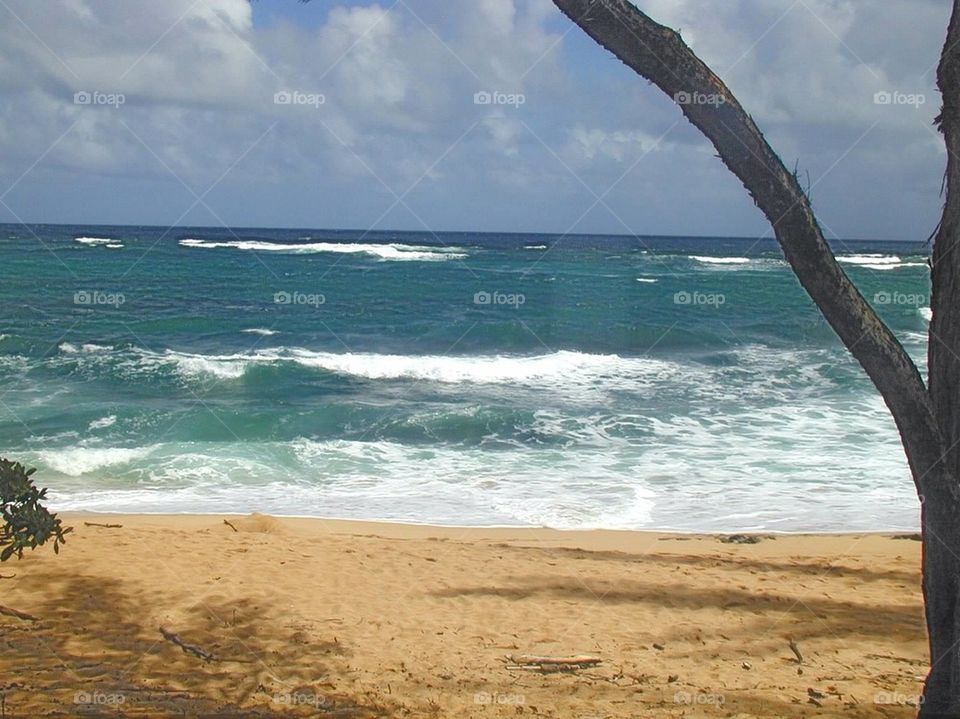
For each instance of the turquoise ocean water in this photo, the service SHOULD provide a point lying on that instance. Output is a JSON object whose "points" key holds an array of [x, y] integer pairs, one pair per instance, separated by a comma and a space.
{"points": [[457, 378]]}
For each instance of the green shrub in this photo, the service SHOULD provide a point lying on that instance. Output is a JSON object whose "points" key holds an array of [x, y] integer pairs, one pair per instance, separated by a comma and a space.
{"points": [[26, 523]]}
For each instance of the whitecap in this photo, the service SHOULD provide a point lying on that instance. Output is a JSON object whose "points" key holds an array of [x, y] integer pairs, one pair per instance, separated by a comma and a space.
{"points": [[886, 267], [647, 280], [397, 252], [260, 331], [720, 260], [926, 313], [68, 348], [95, 240], [870, 259], [103, 422], [192, 365], [484, 369], [76, 461], [570, 368]]}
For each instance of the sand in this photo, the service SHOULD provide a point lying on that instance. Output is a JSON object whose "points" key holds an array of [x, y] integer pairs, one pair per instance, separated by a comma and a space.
{"points": [[353, 619]]}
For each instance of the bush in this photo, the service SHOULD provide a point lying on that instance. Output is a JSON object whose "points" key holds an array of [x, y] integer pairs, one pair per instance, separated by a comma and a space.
{"points": [[26, 523]]}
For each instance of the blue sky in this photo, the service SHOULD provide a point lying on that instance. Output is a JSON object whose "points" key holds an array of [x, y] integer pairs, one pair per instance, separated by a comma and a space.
{"points": [[573, 141]]}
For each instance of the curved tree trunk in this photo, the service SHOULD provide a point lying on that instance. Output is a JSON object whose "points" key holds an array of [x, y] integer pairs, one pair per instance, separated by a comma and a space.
{"points": [[929, 422]]}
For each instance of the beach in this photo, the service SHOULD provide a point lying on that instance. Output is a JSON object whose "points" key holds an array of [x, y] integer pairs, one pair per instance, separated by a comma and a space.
{"points": [[267, 616]]}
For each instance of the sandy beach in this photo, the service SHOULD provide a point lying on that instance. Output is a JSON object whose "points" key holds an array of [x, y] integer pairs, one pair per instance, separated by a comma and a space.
{"points": [[302, 617]]}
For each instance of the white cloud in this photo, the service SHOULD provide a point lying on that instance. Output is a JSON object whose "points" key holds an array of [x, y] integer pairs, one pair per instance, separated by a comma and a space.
{"points": [[199, 81]]}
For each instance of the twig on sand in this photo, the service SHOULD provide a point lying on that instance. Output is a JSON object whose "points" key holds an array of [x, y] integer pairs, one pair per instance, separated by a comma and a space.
{"points": [[795, 649], [187, 648], [7, 611], [551, 664], [230, 525], [106, 526], [741, 538]]}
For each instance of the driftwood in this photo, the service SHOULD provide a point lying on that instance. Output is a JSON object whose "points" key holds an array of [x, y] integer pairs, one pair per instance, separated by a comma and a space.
{"points": [[7, 611], [187, 648], [106, 526], [230, 525], [551, 664]]}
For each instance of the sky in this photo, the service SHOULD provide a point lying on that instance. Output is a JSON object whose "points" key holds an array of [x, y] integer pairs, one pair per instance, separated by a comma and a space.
{"points": [[374, 115]]}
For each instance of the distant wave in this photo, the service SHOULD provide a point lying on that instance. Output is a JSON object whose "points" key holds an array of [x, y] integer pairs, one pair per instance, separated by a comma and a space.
{"points": [[572, 367], [383, 252], [878, 262], [100, 241], [94, 240], [721, 260], [926, 313], [647, 280], [870, 259], [534, 247], [260, 331]]}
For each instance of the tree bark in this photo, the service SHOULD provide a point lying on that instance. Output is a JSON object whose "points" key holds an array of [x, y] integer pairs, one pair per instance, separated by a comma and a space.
{"points": [[928, 422], [941, 509]]}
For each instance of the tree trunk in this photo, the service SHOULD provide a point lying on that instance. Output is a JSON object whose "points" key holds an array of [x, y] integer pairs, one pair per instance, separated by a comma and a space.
{"points": [[928, 421], [941, 510], [941, 570]]}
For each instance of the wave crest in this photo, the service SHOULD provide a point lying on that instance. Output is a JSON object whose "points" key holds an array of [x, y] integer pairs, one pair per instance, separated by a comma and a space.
{"points": [[394, 251]]}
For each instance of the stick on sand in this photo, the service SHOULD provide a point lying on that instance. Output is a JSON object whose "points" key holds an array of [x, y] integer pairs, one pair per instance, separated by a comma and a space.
{"points": [[551, 664], [187, 648], [7, 611]]}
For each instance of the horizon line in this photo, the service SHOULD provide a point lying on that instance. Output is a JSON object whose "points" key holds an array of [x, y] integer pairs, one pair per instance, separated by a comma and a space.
{"points": [[231, 228]]}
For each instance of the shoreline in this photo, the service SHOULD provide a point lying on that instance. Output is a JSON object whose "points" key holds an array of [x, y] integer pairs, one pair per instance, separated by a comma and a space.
{"points": [[896, 533], [365, 619]]}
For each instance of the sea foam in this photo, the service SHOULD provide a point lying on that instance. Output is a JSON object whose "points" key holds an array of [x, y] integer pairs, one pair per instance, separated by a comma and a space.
{"points": [[76, 461]]}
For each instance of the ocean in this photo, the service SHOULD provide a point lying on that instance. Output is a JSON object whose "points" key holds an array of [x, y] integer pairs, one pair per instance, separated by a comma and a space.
{"points": [[668, 383]]}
